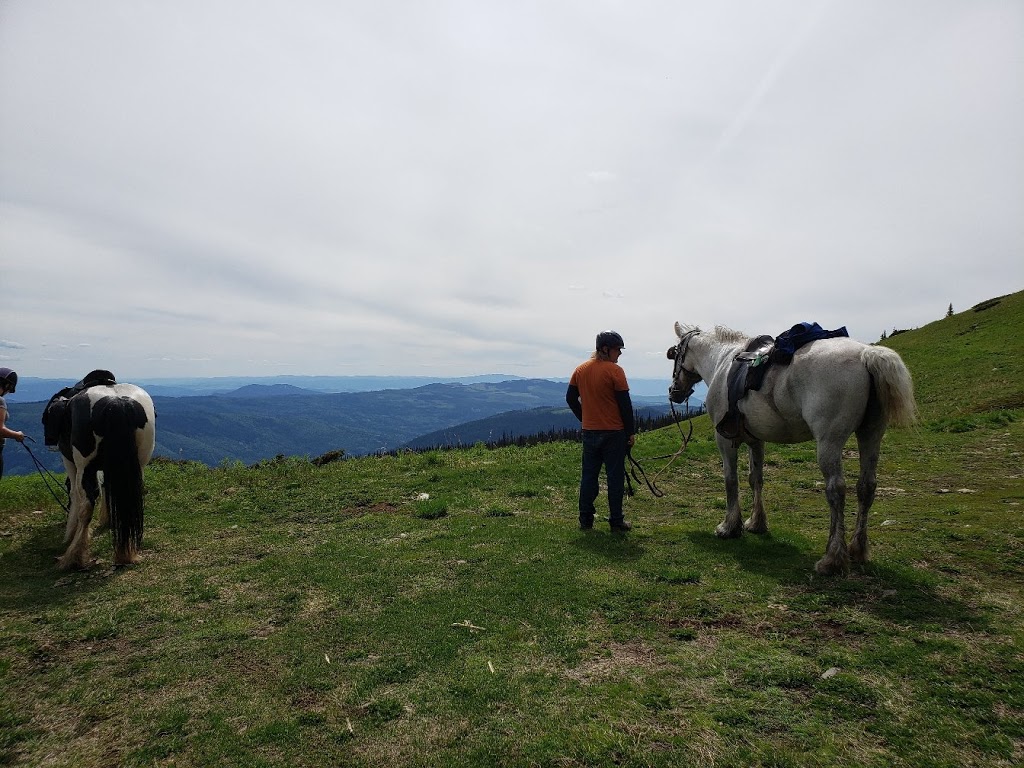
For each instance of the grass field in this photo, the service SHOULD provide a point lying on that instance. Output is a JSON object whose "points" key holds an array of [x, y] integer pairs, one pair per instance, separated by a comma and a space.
{"points": [[294, 615]]}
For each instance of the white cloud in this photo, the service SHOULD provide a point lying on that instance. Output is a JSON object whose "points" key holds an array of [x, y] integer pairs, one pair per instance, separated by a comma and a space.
{"points": [[477, 187]]}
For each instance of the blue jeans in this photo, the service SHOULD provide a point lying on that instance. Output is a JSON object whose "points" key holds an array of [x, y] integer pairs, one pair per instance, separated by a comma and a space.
{"points": [[607, 447]]}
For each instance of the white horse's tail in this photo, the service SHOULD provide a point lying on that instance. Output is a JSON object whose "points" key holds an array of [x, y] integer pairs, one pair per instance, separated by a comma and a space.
{"points": [[893, 385]]}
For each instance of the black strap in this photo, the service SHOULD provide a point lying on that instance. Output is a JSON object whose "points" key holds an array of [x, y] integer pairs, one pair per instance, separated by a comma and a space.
{"points": [[47, 475]]}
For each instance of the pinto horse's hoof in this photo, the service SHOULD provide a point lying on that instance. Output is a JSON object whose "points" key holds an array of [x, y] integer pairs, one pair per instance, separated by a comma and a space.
{"points": [[72, 564]]}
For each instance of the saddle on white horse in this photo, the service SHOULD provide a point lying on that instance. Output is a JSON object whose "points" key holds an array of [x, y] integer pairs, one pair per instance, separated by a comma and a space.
{"points": [[749, 367]]}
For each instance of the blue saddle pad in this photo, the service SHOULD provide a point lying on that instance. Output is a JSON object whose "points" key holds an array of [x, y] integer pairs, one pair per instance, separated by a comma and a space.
{"points": [[790, 341]]}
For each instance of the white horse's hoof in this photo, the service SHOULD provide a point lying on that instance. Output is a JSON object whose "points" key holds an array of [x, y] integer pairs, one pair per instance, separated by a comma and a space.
{"points": [[759, 528], [724, 532], [829, 567]]}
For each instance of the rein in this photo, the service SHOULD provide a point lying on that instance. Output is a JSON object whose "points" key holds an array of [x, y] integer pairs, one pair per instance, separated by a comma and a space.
{"points": [[652, 484], [47, 476]]}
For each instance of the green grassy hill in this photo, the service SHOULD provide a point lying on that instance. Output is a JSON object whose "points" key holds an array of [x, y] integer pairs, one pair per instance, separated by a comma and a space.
{"points": [[441, 609], [969, 364]]}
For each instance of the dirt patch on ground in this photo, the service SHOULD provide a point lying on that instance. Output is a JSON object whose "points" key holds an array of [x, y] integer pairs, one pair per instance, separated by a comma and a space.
{"points": [[613, 660]]}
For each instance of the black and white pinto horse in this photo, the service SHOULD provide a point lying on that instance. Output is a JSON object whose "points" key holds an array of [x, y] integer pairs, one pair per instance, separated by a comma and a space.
{"points": [[831, 389], [106, 435]]}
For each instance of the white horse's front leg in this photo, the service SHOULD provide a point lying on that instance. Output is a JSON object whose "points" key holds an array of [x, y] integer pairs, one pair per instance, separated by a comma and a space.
{"points": [[836, 559], [758, 522], [732, 525]]}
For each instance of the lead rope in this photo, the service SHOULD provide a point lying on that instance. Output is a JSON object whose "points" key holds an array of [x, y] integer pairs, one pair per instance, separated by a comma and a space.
{"points": [[47, 476], [653, 484]]}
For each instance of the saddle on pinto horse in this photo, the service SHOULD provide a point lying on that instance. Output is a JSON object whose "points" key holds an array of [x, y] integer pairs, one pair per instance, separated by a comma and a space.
{"points": [[750, 366], [53, 413]]}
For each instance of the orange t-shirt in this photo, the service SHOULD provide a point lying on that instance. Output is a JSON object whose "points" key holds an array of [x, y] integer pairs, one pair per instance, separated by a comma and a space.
{"points": [[598, 381]]}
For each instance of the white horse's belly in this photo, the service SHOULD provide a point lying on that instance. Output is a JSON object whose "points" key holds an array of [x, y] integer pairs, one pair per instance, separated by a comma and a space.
{"points": [[765, 423]]}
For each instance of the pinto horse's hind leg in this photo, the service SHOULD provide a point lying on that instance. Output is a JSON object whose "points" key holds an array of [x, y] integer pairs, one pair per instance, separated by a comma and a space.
{"points": [[732, 525], [77, 553], [84, 494], [72, 523], [830, 460], [103, 515], [71, 485], [758, 522]]}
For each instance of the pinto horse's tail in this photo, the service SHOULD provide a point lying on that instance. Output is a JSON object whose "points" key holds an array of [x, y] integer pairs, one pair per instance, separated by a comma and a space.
{"points": [[118, 420], [893, 385]]}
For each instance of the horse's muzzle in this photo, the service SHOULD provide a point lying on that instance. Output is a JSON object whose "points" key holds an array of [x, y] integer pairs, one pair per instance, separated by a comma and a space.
{"points": [[677, 395]]}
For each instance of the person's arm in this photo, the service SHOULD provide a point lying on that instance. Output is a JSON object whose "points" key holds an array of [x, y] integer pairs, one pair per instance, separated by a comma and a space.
{"points": [[572, 399], [5, 432], [626, 411]]}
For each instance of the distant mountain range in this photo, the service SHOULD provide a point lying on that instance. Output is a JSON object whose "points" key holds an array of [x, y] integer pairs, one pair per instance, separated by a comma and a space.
{"points": [[32, 389], [257, 421]]}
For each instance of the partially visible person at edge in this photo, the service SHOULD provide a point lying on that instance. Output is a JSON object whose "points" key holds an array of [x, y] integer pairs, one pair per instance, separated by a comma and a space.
{"points": [[8, 383], [599, 396]]}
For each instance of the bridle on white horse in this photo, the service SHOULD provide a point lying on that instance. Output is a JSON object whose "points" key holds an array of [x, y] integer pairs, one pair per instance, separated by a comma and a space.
{"points": [[677, 353]]}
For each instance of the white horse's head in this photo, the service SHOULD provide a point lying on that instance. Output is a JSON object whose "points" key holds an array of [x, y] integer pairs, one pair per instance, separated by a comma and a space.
{"points": [[684, 378]]}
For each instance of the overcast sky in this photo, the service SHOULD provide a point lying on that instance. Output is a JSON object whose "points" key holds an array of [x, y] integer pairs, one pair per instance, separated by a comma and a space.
{"points": [[457, 187]]}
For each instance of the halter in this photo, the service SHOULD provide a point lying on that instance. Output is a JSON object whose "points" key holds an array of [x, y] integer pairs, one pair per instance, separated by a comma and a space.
{"points": [[679, 355]]}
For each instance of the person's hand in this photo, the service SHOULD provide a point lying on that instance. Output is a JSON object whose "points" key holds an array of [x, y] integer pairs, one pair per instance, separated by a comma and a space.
{"points": [[19, 436], [632, 440]]}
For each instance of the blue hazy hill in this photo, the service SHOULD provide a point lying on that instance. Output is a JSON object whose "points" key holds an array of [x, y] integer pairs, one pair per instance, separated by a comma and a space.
{"points": [[264, 418]]}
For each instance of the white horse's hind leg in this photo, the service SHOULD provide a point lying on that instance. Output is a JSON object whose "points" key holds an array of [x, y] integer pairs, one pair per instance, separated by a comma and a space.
{"points": [[758, 522], [830, 460], [869, 443], [866, 486], [732, 525]]}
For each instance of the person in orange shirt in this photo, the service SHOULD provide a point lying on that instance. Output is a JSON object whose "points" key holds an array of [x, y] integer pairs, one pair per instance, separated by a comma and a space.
{"points": [[599, 396]]}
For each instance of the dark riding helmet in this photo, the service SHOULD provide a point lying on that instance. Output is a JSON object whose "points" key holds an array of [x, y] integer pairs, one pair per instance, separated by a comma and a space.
{"points": [[9, 378], [609, 339]]}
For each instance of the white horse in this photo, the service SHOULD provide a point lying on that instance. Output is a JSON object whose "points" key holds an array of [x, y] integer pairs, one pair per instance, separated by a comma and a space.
{"points": [[106, 434], [831, 389]]}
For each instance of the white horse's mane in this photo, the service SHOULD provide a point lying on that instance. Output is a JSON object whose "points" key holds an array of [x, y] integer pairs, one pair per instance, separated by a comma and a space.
{"points": [[727, 335], [720, 333]]}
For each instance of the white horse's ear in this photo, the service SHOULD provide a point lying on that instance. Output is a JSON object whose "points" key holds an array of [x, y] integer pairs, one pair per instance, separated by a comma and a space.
{"points": [[679, 330]]}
